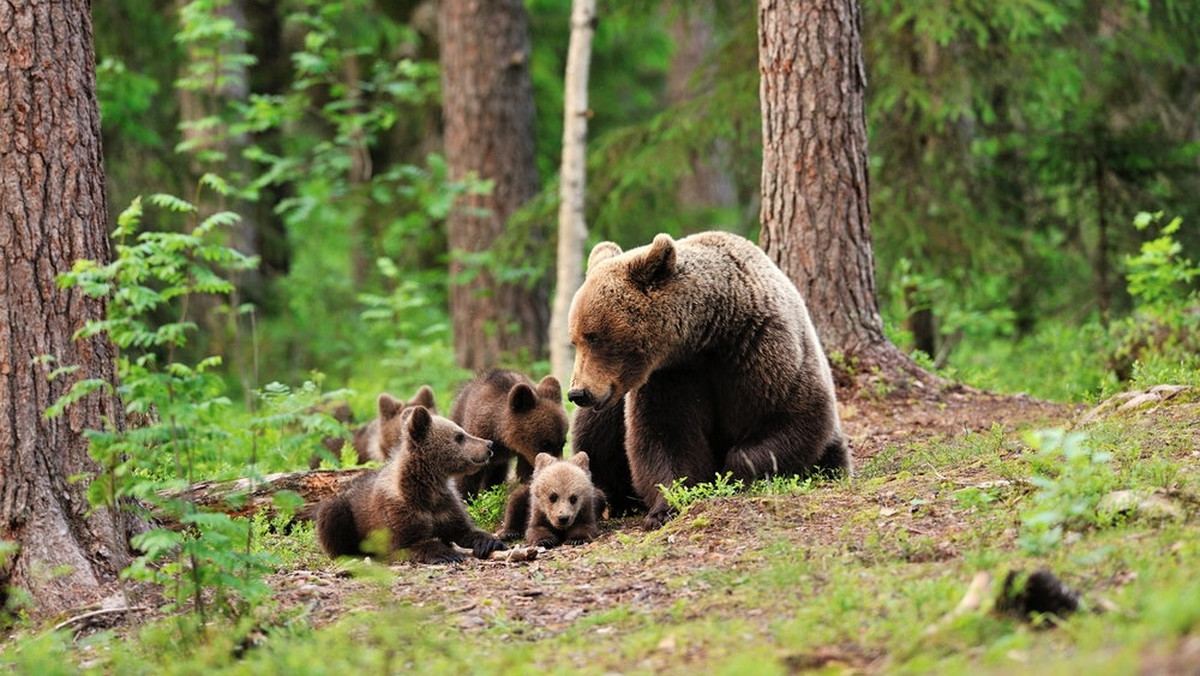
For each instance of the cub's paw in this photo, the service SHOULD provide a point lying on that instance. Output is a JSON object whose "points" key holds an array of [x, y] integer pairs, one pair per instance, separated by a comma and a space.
{"points": [[448, 557], [485, 546], [508, 534], [577, 541], [547, 542]]}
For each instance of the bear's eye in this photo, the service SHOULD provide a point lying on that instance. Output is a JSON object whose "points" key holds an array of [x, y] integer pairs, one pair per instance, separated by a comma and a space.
{"points": [[459, 438], [591, 339], [554, 497], [574, 499]]}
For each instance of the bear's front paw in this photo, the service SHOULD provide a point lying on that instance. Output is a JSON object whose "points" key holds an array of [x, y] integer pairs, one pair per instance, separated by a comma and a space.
{"points": [[577, 541], [486, 546], [657, 519], [547, 542]]}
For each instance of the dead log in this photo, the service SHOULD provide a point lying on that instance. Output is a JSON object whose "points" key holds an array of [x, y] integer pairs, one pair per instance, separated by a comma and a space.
{"points": [[247, 497]]}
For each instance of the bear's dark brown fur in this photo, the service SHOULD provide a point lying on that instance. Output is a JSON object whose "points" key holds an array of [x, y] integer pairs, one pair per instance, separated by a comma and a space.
{"points": [[563, 503], [601, 434], [411, 498], [710, 349], [522, 420]]}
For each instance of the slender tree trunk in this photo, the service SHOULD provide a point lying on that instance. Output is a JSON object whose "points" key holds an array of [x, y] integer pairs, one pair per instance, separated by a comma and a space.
{"points": [[572, 222], [815, 213], [487, 103], [52, 213]]}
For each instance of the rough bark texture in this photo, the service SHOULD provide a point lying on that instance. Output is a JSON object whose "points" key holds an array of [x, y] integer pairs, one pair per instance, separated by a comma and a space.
{"points": [[487, 103], [815, 213], [52, 212], [258, 497]]}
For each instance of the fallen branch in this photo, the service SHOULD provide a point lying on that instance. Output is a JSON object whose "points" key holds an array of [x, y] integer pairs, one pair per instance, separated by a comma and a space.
{"points": [[247, 497]]}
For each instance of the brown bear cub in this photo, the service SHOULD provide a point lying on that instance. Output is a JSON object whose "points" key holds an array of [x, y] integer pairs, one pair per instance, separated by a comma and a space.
{"points": [[563, 503], [522, 420], [377, 439], [709, 350], [411, 499]]}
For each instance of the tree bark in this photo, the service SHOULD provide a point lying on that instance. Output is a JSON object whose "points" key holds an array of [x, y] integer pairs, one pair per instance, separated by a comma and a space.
{"points": [[572, 221], [815, 211], [52, 213], [487, 103]]}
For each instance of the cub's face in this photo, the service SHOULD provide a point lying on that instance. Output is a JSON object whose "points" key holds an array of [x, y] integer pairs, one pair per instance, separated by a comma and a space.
{"points": [[536, 420], [442, 445], [561, 488], [615, 323]]}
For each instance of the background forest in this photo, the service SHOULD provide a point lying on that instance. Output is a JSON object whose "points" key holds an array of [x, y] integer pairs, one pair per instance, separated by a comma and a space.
{"points": [[1011, 148]]}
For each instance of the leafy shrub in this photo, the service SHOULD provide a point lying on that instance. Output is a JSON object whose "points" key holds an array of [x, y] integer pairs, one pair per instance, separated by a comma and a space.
{"points": [[1070, 478]]}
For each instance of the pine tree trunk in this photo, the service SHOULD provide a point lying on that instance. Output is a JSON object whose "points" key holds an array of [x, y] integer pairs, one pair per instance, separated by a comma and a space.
{"points": [[572, 221], [52, 212], [487, 103], [815, 213]]}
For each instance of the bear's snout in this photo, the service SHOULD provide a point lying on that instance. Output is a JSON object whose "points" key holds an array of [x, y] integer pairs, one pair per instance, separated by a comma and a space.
{"points": [[564, 519], [581, 397]]}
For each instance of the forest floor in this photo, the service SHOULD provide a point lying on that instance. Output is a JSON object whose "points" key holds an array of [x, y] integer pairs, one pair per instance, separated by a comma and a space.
{"points": [[870, 575]]}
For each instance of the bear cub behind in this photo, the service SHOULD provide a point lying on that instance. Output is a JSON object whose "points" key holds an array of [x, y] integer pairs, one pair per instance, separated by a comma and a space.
{"points": [[411, 498], [522, 419], [563, 503]]}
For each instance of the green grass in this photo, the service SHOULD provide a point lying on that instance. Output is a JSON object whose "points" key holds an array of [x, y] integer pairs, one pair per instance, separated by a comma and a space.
{"points": [[858, 575]]}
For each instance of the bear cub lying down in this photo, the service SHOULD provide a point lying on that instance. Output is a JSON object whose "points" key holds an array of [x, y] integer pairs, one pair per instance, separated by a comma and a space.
{"points": [[411, 499], [563, 504]]}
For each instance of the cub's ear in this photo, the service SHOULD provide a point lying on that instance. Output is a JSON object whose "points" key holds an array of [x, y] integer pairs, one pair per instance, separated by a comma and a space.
{"points": [[602, 252], [656, 265], [389, 407], [579, 459], [543, 460], [417, 422], [423, 397], [521, 398], [550, 388]]}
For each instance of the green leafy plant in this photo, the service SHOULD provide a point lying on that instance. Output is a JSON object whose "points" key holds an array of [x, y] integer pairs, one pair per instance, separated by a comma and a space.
{"points": [[1070, 477], [679, 494]]}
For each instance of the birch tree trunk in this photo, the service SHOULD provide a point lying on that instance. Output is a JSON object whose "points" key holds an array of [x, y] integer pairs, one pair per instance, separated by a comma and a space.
{"points": [[815, 212], [572, 222], [52, 213]]}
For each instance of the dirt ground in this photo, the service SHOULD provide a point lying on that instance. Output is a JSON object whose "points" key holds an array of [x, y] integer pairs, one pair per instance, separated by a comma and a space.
{"points": [[547, 595]]}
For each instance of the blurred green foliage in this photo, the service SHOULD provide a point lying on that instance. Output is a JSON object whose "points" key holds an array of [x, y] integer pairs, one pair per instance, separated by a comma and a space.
{"points": [[1010, 146]]}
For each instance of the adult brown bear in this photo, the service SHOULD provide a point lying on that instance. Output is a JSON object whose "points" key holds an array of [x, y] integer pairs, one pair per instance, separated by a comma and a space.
{"points": [[710, 349]]}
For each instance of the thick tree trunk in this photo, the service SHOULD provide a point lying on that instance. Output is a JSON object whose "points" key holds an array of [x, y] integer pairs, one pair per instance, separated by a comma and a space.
{"points": [[572, 221], [815, 213], [487, 103], [52, 213]]}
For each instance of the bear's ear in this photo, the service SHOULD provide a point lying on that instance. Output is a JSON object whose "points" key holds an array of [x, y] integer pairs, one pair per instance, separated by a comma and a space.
{"points": [[521, 398], [417, 421], [543, 460], [602, 252], [550, 388], [389, 407], [580, 460], [423, 397], [656, 265]]}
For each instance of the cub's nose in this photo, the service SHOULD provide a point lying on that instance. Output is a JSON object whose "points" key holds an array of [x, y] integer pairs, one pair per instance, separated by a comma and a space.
{"points": [[581, 397], [563, 520], [489, 448]]}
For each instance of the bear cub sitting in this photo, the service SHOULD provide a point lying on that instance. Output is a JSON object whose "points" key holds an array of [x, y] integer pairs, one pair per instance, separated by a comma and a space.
{"points": [[411, 498], [563, 503]]}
